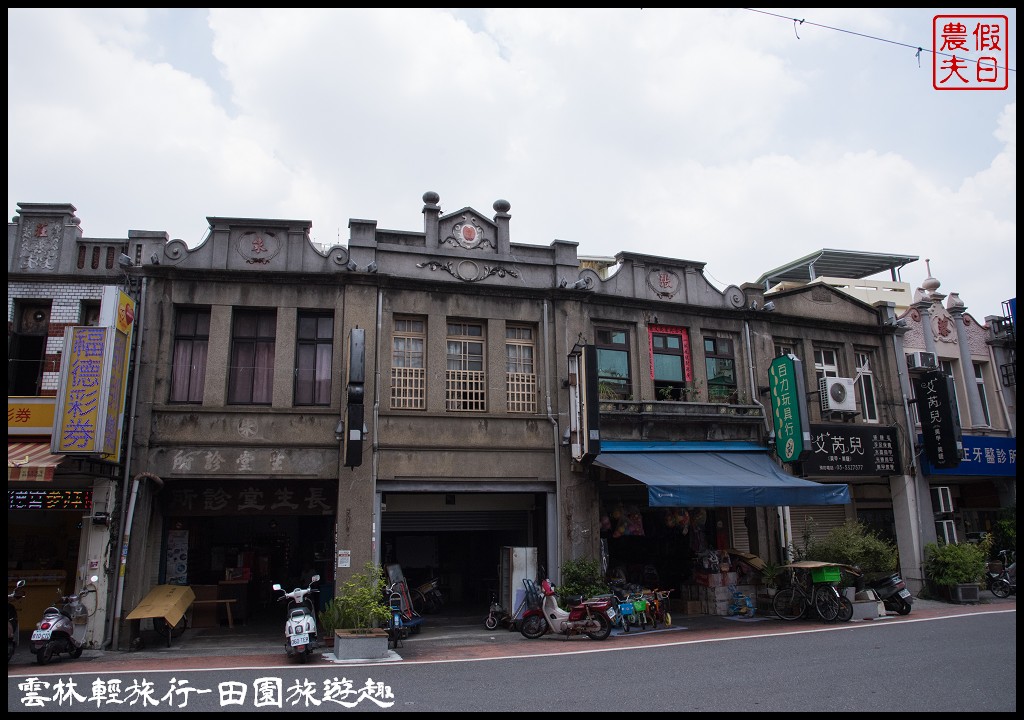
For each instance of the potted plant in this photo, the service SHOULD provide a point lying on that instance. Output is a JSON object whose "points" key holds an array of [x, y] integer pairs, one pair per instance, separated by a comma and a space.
{"points": [[356, 615], [958, 568], [770, 577]]}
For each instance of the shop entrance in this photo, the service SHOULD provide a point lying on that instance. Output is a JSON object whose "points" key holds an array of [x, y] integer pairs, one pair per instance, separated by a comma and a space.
{"points": [[457, 538], [242, 557]]}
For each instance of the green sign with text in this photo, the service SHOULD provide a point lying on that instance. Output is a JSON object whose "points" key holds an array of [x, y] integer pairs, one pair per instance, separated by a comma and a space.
{"points": [[789, 408]]}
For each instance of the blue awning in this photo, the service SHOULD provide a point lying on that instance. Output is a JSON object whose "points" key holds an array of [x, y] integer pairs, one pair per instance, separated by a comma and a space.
{"points": [[719, 479]]}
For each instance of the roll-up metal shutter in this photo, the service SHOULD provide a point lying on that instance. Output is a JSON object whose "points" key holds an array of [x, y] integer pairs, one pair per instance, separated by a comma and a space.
{"points": [[819, 518], [740, 536], [453, 521]]}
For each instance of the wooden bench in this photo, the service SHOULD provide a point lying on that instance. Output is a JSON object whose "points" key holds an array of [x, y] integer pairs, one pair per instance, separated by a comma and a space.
{"points": [[227, 603]]}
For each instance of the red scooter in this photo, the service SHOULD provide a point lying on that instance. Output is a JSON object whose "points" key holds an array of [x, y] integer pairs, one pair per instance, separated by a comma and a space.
{"points": [[590, 618]]}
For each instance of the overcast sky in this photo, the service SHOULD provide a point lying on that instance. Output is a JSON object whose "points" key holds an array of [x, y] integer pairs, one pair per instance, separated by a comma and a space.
{"points": [[734, 137]]}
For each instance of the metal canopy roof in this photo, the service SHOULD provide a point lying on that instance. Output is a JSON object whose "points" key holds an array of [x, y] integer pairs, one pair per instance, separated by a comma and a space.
{"points": [[851, 264]]}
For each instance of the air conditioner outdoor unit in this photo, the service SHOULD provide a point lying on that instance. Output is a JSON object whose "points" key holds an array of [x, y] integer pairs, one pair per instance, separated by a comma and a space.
{"points": [[837, 394], [922, 361]]}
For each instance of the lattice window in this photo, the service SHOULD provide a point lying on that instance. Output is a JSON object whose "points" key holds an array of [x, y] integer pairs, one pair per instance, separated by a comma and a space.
{"points": [[408, 369], [465, 379], [408, 388], [866, 384], [521, 379]]}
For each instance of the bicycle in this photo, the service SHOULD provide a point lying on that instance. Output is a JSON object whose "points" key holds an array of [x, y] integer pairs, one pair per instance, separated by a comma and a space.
{"points": [[658, 602], [793, 602]]}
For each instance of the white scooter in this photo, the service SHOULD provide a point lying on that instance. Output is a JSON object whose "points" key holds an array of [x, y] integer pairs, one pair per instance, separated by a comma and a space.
{"points": [[300, 634], [62, 630]]}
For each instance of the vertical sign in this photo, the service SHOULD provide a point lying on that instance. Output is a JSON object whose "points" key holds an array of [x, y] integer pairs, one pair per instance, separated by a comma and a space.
{"points": [[939, 425], [94, 381], [81, 410], [123, 324], [584, 410], [789, 408]]}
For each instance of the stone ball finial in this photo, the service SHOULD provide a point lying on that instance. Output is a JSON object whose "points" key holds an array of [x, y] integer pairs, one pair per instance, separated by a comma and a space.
{"points": [[502, 206], [930, 284], [431, 198]]}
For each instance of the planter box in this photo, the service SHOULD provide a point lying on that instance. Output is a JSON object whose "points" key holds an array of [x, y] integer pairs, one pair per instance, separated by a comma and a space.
{"points": [[365, 644], [965, 593]]}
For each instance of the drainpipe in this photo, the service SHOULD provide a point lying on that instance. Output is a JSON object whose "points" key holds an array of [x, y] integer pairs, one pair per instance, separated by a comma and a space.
{"points": [[754, 396], [119, 597], [122, 534], [375, 461], [554, 566]]}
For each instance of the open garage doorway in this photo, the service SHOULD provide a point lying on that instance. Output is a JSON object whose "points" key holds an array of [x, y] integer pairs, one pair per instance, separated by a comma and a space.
{"points": [[457, 538]]}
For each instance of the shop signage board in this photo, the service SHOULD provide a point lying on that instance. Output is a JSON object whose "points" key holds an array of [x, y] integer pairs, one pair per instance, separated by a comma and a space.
{"points": [[982, 456], [52, 499], [845, 449], [939, 419], [248, 497], [789, 408]]}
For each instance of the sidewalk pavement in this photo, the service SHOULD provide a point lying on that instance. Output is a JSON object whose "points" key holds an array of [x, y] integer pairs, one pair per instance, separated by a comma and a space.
{"points": [[446, 638]]}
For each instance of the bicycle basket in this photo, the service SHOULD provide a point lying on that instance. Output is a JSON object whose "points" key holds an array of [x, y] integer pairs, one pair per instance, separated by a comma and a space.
{"points": [[626, 608], [640, 605]]}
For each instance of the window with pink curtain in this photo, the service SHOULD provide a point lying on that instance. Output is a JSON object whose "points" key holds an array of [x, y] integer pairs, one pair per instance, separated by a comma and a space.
{"points": [[251, 374], [188, 362], [314, 354]]}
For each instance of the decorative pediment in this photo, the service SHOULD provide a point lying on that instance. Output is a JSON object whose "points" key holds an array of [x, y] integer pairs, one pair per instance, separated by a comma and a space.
{"points": [[466, 229]]}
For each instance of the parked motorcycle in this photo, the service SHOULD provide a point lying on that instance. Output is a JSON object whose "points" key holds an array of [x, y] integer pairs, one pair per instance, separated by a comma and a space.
{"points": [[892, 591], [1003, 583], [1004, 580], [590, 618], [396, 627], [427, 597], [300, 633], [13, 631], [62, 630]]}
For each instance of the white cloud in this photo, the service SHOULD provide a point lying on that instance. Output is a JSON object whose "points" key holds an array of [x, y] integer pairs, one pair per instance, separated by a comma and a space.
{"points": [[731, 137]]}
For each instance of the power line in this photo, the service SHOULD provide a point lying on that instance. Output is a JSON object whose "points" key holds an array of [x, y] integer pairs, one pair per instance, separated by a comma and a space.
{"points": [[917, 48]]}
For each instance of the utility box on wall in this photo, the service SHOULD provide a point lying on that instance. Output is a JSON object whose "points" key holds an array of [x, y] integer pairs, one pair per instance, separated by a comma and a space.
{"points": [[516, 564]]}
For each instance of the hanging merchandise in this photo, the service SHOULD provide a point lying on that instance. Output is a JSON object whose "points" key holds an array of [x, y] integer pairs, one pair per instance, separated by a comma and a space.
{"points": [[677, 519]]}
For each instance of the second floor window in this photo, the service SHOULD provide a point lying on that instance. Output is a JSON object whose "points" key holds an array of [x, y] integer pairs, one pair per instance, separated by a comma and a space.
{"points": [[314, 355], [521, 374], [251, 374], [26, 348], [979, 378], [866, 385], [188, 363], [954, 401], [408, 368], [826, 364], [466, 381], [720, 363], [613, 378], [670, 363]]}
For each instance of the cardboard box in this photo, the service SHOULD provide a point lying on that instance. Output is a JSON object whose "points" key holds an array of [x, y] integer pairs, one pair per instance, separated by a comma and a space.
{"points": [[693, 607]]}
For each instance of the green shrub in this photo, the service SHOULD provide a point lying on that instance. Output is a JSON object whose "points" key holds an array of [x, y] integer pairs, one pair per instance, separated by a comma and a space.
{"points": [[854, 543], [582, 577], [358, 604], [955, 563]]}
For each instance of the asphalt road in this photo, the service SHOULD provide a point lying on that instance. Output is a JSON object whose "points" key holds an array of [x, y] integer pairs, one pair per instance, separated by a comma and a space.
{"points": [[941, 658]]}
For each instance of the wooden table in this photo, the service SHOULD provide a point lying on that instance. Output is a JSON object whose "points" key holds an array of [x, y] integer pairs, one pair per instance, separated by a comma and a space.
{"points": [[227, 602]]}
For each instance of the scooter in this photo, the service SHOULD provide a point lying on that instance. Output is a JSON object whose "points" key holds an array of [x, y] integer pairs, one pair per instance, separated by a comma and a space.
{"points": [[892, 591], [396, 629], [1007, 567], [13, 630], [300, 634], [60, 630], [1004, 582], [590, 618]]}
